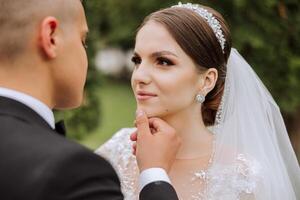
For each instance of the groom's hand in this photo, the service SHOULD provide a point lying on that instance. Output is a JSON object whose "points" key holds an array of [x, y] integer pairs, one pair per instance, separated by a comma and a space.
{"points": [[156, 143]]}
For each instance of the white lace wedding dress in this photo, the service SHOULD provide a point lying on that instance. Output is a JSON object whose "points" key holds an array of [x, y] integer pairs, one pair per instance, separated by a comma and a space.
{"points": [[235, 181]]}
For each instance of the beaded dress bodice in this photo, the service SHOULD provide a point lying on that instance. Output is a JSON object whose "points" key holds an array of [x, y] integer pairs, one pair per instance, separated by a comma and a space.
{"points": [[235, 181]]}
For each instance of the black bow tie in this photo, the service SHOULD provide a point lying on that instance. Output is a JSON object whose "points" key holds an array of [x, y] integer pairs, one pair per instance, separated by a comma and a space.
{"points": [[60, 128]]}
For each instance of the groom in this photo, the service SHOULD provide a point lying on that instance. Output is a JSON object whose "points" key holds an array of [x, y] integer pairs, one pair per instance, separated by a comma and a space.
{"points": [[43, 66]]}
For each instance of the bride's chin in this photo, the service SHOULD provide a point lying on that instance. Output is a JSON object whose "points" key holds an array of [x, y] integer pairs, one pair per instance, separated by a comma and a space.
{"points": [[151, 115], [153, 111], [157, 114], [149, 111]]}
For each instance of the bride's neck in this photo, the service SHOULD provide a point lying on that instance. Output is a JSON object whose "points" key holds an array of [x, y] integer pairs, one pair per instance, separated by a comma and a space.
{"points": [[196, 138]]}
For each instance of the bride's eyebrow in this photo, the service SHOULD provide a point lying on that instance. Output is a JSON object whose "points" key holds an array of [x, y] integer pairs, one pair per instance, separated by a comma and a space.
{"points": [[162, 53], [157, 54]]}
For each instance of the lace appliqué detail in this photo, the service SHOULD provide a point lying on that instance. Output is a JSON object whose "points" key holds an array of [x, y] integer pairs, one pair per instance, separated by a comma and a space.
{"points": [[118, 151], [231, 182]]}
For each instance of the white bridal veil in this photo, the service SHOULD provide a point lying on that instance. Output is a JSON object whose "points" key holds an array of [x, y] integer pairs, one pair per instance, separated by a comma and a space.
{"points": [[249, 124]]}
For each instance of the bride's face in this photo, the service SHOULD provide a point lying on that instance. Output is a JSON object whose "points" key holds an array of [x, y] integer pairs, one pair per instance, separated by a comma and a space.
{"points": [[165, 80]]}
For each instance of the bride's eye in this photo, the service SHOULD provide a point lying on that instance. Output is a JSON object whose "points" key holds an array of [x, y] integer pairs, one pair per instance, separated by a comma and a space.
{"points": [[136, 60], [164, 61]]}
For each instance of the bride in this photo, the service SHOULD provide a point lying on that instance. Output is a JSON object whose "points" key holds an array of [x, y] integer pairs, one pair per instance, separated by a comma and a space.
{"points": [[234, 141]]}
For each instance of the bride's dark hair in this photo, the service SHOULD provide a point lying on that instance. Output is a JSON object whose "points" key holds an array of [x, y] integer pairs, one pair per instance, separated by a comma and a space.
{"points": [[197, 39]]}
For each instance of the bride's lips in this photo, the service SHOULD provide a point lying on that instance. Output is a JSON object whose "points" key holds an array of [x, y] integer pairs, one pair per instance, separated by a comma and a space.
{"points": [[144, 95]]}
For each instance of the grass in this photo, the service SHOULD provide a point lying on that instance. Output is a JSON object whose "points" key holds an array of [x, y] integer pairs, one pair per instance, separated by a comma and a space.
{"points": [[118, 108]]}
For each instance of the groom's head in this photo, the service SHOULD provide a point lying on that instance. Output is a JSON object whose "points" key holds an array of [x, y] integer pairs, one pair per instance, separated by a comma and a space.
{"points": [[44, 38]]}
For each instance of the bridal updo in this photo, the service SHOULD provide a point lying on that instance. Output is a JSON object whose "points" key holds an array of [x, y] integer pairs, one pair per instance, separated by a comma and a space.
{"points": [[197, 39]]}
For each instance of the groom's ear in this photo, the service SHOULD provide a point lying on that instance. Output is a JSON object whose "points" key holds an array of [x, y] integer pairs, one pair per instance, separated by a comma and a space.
{"points": [[48, 37]]}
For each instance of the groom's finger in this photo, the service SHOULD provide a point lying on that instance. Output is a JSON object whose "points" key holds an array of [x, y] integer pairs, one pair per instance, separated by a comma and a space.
{"points": [[142, 123], [153, 131], [134, 148], [159, 125]]}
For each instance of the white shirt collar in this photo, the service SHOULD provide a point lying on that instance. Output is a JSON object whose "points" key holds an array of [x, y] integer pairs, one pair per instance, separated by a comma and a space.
{"points": [[39, 107]]}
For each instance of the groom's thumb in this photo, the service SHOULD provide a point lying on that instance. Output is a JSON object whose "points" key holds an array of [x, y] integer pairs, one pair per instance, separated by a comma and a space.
{"points": [[142, 123]]}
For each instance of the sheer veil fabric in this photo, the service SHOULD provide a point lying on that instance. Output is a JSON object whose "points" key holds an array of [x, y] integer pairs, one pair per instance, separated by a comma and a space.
{"points": [[249, 123]]}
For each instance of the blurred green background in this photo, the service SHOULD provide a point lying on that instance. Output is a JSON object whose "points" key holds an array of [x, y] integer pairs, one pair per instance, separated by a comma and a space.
{"points": [[267, 34]]}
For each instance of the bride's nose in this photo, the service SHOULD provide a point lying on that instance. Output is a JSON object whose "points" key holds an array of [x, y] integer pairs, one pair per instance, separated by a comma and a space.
{"points": [[142, 74]]}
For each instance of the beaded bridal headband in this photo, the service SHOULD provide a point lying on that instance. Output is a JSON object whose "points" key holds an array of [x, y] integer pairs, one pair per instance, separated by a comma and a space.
{"points": [[209, 18]]}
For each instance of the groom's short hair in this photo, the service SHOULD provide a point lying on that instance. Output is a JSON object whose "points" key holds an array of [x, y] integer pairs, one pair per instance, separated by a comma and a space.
{"points": [[19, 19]]}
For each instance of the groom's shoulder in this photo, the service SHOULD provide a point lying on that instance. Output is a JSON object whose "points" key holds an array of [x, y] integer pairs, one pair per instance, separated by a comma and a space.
{"points": [[43, 147], [38, 143]]}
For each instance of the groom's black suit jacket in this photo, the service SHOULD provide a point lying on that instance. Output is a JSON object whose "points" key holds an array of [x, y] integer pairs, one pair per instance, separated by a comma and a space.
{"points": [[36, 163]]}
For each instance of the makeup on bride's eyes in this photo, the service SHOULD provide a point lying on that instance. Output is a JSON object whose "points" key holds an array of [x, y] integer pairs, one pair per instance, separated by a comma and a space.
{"points": [[158, 59], [164, 61]]}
